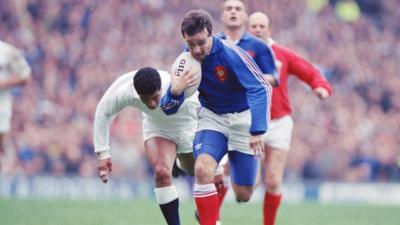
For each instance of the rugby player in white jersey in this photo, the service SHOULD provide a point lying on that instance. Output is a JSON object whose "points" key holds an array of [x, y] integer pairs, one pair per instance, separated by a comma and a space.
{"points": [[14, 71], [165, 137]]}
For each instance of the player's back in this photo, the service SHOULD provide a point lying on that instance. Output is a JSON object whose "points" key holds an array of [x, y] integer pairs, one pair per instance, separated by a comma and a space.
{"points": [[122, 93]]}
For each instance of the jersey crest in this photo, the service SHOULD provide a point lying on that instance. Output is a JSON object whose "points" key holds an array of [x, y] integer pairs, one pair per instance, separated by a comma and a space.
{"points": [[251, 53], [221, 73]]}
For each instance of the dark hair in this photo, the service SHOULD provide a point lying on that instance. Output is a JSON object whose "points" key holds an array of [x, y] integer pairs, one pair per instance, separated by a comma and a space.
{"points": [[147, 81], [195, 21]]}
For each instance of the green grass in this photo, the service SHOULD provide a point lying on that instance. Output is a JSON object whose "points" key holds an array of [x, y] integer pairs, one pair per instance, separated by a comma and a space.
{"points": [[146, 212]]}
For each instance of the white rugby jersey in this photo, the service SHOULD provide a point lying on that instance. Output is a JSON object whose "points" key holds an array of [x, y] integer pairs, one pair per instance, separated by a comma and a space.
{"points": [[122, 94], [12, 63]]}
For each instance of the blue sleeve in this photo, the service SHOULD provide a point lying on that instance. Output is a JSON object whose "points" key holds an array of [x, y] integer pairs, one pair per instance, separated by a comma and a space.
{"points": [[170, 103], [258, 91], [265, 59]]}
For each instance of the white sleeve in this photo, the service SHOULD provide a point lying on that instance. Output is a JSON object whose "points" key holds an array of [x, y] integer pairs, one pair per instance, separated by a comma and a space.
{"points": [[19, 65], [120, 95]]}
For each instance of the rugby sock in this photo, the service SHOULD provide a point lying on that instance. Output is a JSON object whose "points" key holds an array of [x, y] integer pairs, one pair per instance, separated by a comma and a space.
{"points": [[207, 201], [271, 205], [167, 198], [221, 183]]}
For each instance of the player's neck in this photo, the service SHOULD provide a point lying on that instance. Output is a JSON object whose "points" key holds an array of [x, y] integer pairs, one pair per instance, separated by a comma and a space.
{"points": [[234, 34]]}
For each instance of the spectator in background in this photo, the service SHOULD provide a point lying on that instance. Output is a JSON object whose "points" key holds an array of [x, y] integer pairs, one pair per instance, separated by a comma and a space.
{"points": [[14, 71]]}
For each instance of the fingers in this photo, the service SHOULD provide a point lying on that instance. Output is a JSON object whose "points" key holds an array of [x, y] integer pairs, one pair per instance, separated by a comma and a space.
{"points": [[322, 93], [104, 169], [258, 149], [190, 78], [103, 176], [257, 145]]}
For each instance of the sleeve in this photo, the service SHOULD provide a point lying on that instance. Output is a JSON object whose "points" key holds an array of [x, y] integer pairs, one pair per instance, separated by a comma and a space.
{"points": [[305, 71], [112, 102], [18, 65], [265, 59], [258, 91], [170, 103]]}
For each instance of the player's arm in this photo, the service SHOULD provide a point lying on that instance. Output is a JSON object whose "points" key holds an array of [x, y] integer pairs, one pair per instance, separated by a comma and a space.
{"points": [[258, 91], [306, 72], [20, 70], [174, 97], [266, 61], [112, 102], [258, 97]]}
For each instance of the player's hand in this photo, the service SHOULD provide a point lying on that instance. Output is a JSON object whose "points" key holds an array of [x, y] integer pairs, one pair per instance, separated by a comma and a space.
{"points": [[257, 144], [271, 80], [180, 83], [321, 92], [104, 167]]}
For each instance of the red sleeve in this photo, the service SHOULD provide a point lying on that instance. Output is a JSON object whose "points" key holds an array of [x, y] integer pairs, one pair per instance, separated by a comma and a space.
{"points": [[305, 71]]}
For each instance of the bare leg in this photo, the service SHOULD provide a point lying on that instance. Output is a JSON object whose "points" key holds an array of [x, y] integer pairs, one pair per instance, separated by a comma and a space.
{"points": [[161, 154]]}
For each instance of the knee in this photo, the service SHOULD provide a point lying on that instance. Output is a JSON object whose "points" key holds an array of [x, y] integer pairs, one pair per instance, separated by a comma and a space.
{"points": [[204, 174], [162, 174], [272, 181], [243, 195]]}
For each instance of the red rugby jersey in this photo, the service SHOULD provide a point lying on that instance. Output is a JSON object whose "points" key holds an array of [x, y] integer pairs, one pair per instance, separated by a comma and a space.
{"points": [[292, 63]]}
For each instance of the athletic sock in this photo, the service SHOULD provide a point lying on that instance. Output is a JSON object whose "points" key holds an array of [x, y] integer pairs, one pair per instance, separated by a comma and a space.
{"points": [[271, 205], [207, 201], [222, 189], [167, 198]]}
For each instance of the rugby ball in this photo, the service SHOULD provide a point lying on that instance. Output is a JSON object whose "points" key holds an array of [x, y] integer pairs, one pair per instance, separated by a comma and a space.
{"points": [[186, 62]]}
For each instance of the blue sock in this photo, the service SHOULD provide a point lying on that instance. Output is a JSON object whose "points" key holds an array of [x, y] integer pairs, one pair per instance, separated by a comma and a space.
{"points": [[167, 198], [170, 211]]}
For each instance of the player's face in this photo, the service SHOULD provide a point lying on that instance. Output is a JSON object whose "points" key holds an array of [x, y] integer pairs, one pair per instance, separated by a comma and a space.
{"points": [[234, 14], [151, 101], [199, 44], [259, 27]]}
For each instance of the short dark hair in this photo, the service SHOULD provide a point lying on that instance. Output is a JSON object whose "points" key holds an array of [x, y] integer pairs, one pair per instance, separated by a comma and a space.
{"points": [[147, 81], [195, 21]]}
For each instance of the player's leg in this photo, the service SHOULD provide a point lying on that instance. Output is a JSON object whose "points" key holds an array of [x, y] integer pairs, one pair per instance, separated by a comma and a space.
{"points": [[221, 181], [243, 169], [277, 143], [1, 143], [209, 148], [186, 163], [243, 163], [5, 124], [161, 154], [275, 161], [2, 152]]}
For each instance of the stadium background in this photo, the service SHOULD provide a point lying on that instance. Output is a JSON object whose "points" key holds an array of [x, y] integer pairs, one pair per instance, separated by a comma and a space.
{"points": [[76, 48]]}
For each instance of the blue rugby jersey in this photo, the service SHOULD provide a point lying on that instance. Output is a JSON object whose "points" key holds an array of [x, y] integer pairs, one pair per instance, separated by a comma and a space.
{"points": [[259, 51], [231, 82]]}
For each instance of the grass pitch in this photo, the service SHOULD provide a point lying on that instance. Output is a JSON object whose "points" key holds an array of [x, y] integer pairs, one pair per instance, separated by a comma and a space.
{"points": [[146, 212]]}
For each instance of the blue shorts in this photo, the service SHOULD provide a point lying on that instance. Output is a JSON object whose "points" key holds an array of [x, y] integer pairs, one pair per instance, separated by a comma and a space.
{"points": [[243, 167]]}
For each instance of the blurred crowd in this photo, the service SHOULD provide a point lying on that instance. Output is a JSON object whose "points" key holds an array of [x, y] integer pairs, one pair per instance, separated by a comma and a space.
{"points": [[76, 48]]}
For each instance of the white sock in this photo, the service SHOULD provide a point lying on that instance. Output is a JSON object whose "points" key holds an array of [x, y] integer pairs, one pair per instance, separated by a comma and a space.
{"points": [[166, 194]]}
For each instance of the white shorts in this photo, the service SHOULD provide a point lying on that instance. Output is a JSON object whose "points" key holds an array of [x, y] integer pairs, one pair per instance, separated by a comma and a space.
{"points": [[235, 126], [279, 133], [182, 136], [5, 119]]}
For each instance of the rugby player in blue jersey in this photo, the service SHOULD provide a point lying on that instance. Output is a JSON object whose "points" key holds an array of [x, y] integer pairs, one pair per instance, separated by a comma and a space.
{"points": [[234, 115]]}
